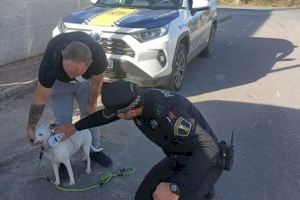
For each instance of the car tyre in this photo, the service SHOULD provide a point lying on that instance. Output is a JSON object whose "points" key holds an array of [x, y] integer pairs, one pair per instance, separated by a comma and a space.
{"points": [[178, 68]]}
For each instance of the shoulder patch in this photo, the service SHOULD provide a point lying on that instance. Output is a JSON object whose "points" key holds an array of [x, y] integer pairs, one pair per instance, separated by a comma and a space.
{"points": [[182, 127]]}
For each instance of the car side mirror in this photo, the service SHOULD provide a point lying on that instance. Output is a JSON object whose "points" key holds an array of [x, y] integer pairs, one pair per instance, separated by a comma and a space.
{"points": [[199, 5]]}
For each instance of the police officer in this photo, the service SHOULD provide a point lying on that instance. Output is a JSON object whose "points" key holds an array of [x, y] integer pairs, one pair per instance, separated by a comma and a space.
{"points": [[190, 168]]}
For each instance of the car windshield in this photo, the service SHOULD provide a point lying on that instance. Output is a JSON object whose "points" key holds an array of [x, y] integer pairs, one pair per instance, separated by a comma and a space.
{"points": [[151, 4]]}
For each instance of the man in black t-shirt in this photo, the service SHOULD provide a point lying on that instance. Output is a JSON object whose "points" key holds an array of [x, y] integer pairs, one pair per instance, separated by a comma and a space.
{"points": [[72, 68]]}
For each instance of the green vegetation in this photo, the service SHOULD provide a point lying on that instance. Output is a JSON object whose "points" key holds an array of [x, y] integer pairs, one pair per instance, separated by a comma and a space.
{"points": [[275, 3]]}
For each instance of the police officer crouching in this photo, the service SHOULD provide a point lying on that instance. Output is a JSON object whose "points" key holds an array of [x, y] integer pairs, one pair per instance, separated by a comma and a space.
{"points": [[191, 167]]}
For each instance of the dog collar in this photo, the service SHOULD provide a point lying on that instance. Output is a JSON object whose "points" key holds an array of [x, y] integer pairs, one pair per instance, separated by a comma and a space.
{"points": [[55, 139]]}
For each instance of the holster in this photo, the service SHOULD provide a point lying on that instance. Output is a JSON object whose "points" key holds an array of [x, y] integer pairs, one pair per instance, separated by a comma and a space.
{"points": [[226, 155]]}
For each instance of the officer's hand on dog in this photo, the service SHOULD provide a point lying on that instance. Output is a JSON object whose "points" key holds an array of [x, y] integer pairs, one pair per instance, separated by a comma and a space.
{"points": [[163, 192], [66, 129]]}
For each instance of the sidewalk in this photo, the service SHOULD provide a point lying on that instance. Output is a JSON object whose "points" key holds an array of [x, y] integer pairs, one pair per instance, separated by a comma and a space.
{"points": [[18, 77]]}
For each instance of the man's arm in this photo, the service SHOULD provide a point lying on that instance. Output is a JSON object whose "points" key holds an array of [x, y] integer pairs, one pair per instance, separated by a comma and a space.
{"points": [[96, 119], [36, 109], [96, 85]]}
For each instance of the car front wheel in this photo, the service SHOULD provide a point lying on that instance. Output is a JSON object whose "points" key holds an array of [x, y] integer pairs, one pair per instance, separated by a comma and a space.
{"points": [[178, 68]]}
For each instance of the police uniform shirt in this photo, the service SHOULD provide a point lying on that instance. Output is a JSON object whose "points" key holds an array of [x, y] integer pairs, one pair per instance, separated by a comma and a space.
{"points": [[168, 119], [173, 123], [51, 67]]}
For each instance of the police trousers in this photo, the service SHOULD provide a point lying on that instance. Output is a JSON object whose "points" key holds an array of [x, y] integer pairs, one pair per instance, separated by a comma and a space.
{"points": [[194, 174]]}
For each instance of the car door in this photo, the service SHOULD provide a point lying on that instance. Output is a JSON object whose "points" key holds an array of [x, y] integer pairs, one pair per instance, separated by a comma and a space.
{"points": [[193, 24], [199, 27], [206, 25]]}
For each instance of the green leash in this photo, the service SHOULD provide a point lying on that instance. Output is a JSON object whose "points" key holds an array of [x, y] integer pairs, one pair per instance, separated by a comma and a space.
{"points": [[105, 178]]}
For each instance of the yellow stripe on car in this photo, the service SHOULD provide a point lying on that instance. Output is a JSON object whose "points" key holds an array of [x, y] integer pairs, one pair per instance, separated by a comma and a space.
{"points": [[111, 17]]}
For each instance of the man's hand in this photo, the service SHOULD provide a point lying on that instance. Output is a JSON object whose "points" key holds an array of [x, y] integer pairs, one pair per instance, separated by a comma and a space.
{"points": [[66, 129], [30, 138], [163, 192], [36, 110]]}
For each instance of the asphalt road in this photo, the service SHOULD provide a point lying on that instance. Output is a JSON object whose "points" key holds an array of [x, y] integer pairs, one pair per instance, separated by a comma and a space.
{"points": [[250, 86]]}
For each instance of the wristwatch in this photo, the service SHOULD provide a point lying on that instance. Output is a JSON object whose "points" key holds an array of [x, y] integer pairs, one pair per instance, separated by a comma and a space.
{"points": [[175, 188]]}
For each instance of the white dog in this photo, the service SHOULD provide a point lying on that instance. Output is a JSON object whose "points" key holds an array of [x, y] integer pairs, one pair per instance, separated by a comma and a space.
{"points": [[62, 151]]}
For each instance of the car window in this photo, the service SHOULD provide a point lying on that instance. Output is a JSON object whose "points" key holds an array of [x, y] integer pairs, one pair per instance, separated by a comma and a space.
{"points": [[200, 3], [151, 4], [140, 3], [110, 2]]}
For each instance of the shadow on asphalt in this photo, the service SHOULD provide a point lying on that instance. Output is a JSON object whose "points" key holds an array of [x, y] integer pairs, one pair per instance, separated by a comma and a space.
{"points": [[239, 58], [237, 66], [266, 149]]}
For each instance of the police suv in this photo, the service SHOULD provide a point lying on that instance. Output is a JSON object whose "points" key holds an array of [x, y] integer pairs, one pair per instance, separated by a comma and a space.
{"points": [[148, 42]]}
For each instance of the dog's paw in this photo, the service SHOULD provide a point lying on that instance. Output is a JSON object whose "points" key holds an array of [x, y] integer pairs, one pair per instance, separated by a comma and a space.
{"points": [[71, 182], [88, 171]]}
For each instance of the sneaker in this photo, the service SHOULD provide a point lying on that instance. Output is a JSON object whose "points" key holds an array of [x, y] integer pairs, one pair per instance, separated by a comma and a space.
{"points": [[210, 195], [101, 158], [96, 148], [63, 172]]}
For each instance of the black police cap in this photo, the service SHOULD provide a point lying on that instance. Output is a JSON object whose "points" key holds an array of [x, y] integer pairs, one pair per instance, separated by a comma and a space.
{"points": [[120, 96]]}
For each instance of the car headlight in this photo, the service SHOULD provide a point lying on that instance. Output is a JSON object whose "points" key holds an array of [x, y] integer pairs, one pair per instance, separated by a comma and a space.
{"points": [[151, 34], [61, 26]]}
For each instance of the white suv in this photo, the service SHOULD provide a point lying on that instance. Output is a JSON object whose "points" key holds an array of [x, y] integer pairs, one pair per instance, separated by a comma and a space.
{"points": [[148, 42]]}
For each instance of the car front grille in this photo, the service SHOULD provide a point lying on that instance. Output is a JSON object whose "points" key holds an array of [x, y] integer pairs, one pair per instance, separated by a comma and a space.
{"points": [[116, 72], [116, 46], [109, 73]]}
